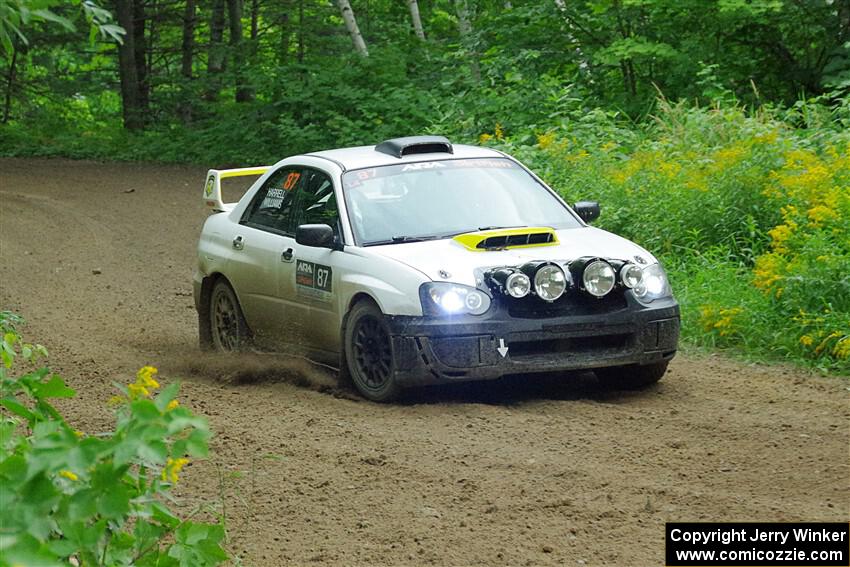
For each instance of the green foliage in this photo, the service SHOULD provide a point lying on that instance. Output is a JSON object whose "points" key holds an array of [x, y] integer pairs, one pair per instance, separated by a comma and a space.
{"points": [[98, 499], [16, 16], [750, 215]]}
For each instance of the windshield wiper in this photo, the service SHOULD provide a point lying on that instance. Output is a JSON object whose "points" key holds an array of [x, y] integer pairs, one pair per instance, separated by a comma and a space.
{"points": [[400, 240], [501, 227]]}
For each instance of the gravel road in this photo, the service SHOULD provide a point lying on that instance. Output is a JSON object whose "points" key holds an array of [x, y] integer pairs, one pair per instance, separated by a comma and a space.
{"points": [[533, 471]]}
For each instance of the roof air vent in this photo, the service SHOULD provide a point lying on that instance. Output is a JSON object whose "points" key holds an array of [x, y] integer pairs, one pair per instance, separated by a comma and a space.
{"points": [[400, 147]]}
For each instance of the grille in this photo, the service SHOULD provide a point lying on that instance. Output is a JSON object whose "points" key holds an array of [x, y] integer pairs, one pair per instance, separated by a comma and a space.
{"points": [[574, 303], [577, 345]]}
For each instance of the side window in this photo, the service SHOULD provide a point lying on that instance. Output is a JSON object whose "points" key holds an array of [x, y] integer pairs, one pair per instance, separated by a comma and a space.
{"points": [[317, 203], [273, 205]]}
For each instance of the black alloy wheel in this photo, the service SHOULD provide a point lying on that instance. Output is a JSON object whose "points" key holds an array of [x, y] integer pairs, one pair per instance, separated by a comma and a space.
{"points": [[227, 324], [368, 350]]}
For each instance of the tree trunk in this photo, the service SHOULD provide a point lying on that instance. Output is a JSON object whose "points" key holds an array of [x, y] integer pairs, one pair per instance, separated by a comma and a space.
{"points": [[417, 21], [234, 15], [10, 84], [351, 25], [130, 103], [283, 49], [255, 19], [300, 31], [187, 56], [188, 45], [140, 54], [215, 55], [464, 25]]}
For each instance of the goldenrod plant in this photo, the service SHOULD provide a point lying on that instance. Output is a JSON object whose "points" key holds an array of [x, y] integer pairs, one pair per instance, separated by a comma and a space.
{"points": [[94, 498]]}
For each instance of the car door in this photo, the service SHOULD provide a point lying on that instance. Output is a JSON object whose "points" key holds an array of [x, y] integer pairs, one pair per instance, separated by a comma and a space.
{"points": [[316, 281], [260, 261]]}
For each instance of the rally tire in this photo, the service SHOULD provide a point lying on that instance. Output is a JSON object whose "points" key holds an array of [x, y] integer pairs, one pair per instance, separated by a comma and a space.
{"points": [[229, 331], [369, 353], [631, 377]]}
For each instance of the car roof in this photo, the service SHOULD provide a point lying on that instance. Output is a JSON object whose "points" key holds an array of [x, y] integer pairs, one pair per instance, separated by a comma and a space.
{"points": [[368, 156]]}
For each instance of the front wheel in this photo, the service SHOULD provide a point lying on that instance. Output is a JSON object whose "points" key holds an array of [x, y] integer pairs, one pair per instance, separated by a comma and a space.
{"points": [[369, 353], [632, 377], [228, 329]]}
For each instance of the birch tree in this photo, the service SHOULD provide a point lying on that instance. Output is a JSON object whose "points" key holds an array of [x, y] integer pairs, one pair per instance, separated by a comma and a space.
{"points": [[464, 25], [417, 21], [353, 30]]}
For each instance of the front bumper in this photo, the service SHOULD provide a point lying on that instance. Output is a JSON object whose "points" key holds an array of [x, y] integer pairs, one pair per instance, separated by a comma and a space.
{"points": [[431, 350]]}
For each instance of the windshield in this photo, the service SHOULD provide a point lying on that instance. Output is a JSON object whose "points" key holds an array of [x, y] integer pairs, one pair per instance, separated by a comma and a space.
{"points": [[437, 199]]}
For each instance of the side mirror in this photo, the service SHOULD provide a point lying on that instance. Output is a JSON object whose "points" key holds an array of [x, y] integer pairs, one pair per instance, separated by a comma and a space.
{"points": [[316, 235], [587, 210]]}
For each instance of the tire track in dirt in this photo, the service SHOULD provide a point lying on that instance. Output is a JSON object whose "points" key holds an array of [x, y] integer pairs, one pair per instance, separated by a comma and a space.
{"points": [[528, 471]]}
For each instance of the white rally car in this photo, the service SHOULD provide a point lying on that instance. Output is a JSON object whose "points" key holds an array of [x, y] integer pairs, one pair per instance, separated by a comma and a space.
{"points": [[419, 262]]}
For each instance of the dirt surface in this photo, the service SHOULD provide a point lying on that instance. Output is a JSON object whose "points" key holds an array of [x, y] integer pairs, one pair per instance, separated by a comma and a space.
{"points": [[534, 471]]}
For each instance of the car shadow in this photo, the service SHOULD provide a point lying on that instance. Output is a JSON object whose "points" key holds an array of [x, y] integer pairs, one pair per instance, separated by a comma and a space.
{"points": [[518, 389]]}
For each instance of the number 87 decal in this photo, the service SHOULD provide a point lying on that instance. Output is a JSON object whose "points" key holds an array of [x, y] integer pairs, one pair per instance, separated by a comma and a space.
{"points": [[291, 181]]}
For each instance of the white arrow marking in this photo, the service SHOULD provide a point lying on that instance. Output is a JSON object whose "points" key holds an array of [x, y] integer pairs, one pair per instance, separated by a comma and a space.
{"points": [[503, 350]]}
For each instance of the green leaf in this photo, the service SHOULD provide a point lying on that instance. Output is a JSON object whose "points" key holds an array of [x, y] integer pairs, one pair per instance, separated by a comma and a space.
{"points": [[17, 408], [144, 410], [115, 503], [53, 388], [154, 451], [163, 515], [14, 468]]}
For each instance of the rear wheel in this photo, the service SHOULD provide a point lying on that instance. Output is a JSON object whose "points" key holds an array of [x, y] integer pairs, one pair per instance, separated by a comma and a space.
{"points": [[228, 329], [631, 377], [369, 353]]}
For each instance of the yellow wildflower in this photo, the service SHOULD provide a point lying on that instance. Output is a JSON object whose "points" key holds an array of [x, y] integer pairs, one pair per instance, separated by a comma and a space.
{"points": [[806, 340], [79, 434], [608, 146], [545, 140], [726, 322], [172, 469], [578, 156], [768, 270], [171, 405], [69, 475], [484, 138], [669, 168], [500, 134], [137, 390], [780, 235], [842, 348], [820, 213], [144, 377]]}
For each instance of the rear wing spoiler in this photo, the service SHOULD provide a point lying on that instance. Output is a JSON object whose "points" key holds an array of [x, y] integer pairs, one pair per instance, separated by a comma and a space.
{"points": [[212, 188]]}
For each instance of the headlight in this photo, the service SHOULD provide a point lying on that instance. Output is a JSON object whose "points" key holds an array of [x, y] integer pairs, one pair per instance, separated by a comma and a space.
{"points": [[550, 282], [441, 298], [598, 278], [631, 275], [518, 285], [653, 284]]}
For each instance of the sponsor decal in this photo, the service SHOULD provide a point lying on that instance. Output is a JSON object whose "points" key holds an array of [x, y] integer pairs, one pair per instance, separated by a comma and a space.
{"points": [[315, 280], [208, 190]]}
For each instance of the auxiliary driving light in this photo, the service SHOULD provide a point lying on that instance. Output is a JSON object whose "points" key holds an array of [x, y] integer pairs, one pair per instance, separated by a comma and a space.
{"points": [[550, 282], [631, 275], [518, 285], [599, 278]]}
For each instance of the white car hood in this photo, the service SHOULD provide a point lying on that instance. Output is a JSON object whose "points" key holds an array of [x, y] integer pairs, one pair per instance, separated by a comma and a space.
{"points": [[448, 260]]}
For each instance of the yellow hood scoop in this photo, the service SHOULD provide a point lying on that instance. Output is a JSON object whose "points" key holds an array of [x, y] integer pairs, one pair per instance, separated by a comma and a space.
{"points": [[501, 239]]}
